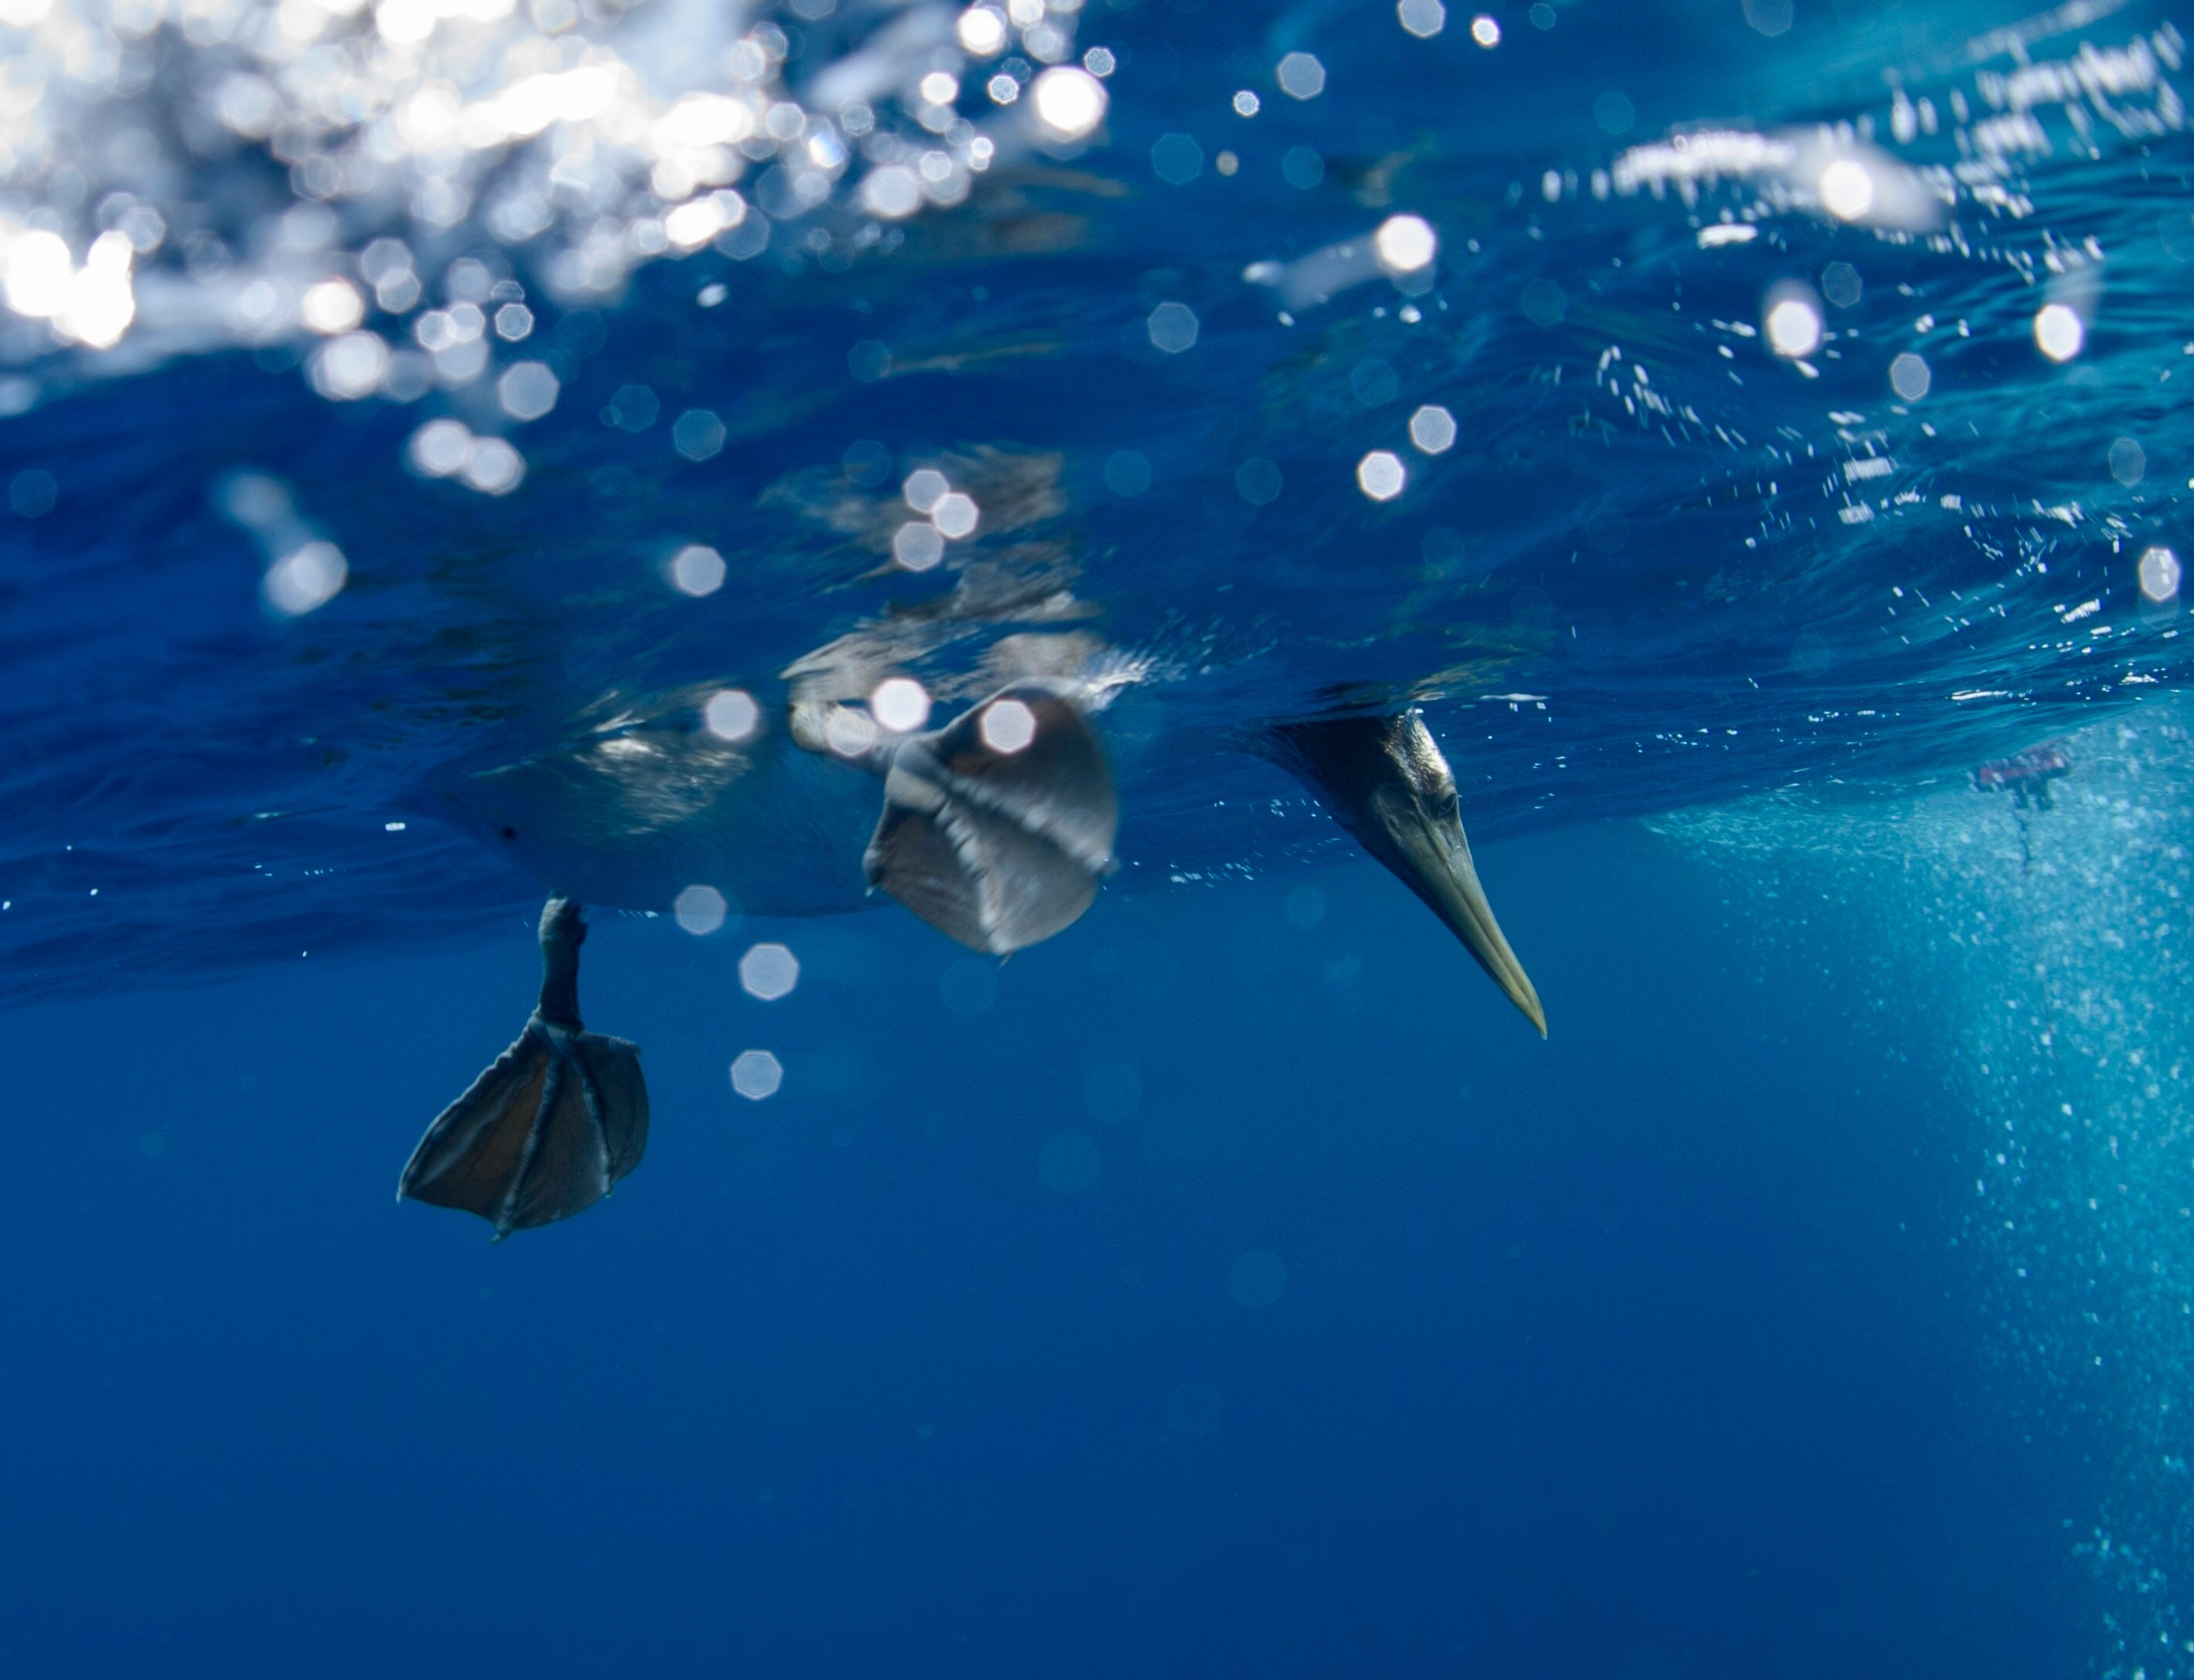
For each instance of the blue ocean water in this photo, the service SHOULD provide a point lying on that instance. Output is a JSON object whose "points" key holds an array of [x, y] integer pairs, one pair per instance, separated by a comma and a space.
{"points": [[456, 453]]}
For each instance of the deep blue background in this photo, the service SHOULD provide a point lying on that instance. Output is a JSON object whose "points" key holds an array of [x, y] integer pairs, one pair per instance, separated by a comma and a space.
{"points": [[1643, 1351], [1647, 1351]]}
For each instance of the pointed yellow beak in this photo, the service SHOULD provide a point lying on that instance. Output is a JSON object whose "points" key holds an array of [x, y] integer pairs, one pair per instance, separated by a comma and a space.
{"points": [[1442, 874]]}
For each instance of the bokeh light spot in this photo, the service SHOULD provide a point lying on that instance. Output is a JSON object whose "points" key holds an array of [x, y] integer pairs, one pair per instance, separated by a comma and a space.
{"points": [[700, 910], [1173, 327], [633, 408], [1840, 285], [1405, 243], [696, 569], [1432, 428], [1846, 188], [1373, 383], [1794, 327], [917, 545], [306, 578], [37, 269], [1544, 301], [1258, 481], [849, 734], [440, 448], [1127, 472], [1303, 167], [1176, 158], [2058, 331], [756, 1074], [732, 715], [692, 225], [2128, 461], [1257, 1278], [331, 307], [1769, 17], [867, 463], [1423, 19], [1070, 103], [2159, 575], [493, 466], [1305, 907], [1300, 76], [528, 390], [346, 369], [32, 492], [954, 514], [1381, 475], [1007, 725], [1909, 377], [900, 703], [924, 488], [868, 362], [982, 31], [769, 972], [697, 435], [892, 191]]}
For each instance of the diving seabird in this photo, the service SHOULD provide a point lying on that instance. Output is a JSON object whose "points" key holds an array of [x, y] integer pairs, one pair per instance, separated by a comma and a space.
{"points": [[997, 829]]}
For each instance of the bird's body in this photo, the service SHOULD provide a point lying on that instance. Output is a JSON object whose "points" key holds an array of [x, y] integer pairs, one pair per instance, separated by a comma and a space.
{"points": [[630, 821], [996, 828]]}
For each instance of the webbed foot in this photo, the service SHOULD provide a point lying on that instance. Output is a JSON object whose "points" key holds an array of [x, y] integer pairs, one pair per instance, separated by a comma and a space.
{"points": [[558, 1119], [998, 828]]}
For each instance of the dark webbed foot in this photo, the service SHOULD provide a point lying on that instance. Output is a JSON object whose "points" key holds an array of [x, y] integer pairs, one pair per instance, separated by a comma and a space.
{"points": [[998, 828], [555, 1122], [1384, 780]]}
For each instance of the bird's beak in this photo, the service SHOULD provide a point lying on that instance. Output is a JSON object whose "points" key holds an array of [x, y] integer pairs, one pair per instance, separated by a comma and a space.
{"points": [[1438, 868]]}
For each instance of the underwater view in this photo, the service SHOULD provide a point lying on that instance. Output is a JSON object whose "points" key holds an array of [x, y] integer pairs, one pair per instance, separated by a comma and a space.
{"points": [[1096, 837]]}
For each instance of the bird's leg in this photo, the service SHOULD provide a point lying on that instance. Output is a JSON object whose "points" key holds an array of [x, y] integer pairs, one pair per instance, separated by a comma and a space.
{"points": [[998, 828], [553, 1122]]}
